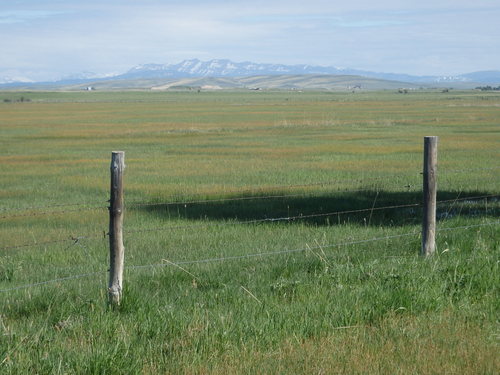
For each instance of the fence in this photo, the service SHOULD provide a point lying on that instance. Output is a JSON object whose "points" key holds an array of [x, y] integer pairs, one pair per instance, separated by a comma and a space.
{"points": [[116, 213]]}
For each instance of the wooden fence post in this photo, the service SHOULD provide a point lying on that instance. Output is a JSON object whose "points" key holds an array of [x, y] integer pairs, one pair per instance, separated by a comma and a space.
{"points": [[430, 191], [116, 249]]}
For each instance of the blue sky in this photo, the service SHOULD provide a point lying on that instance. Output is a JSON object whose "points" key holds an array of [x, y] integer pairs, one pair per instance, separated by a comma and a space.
{"points": [[44, 40]]}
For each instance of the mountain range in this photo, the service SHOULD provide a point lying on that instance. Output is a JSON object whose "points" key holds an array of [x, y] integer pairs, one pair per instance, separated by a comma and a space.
{"points": [[228, 68], [158, 75]]}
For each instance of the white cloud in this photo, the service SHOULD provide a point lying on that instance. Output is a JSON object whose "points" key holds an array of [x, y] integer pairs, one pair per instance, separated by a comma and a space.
{"points": [[428, 37], [24, 16]]}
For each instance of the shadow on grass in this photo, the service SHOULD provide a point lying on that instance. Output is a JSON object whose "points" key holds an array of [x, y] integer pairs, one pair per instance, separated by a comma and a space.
{"points": [[364, 208]]}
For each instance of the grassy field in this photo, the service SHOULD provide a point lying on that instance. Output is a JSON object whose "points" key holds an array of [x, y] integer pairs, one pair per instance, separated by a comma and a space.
{"points": [[216, 279]]}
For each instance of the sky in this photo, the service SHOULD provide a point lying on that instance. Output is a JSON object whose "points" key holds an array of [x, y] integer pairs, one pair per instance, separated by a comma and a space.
{"points": [[47, 40]]}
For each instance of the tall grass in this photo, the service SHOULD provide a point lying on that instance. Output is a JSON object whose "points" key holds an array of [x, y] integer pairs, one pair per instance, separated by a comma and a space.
{"points": [[210, 287]]}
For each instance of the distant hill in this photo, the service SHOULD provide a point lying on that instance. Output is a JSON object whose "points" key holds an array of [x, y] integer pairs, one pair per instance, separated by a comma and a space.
{"points": [[245, 74], [285, 81], [228, 68]]}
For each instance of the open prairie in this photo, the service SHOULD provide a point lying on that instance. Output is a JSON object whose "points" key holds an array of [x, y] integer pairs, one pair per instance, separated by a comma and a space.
{"points": [[267, 232]]}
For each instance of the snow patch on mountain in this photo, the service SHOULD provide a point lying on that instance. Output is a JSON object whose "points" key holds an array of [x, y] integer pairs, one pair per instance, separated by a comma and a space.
{"points": [[15, 79], [221, 68]]}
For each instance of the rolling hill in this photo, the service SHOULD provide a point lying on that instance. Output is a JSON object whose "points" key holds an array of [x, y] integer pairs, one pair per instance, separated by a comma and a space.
{"points": [[217, 74]]}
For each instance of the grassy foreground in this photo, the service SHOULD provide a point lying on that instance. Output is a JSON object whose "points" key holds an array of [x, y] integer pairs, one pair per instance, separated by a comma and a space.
{"points": [[213, 287]]}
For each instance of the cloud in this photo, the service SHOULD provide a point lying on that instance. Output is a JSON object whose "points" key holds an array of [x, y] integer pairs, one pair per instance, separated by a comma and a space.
{"points": [[66, 36], [366, 23], [25, 16]]}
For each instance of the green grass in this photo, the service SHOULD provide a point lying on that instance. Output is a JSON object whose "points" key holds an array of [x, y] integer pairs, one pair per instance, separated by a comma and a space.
{"points": [[316, 300]]}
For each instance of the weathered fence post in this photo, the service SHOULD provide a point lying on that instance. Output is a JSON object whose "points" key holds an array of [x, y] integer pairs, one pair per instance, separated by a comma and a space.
{"points": [[430, 191], [116, 249]]}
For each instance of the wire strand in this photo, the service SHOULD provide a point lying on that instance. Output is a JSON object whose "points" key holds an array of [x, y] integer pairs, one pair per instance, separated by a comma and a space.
{"points": [[287, 218], [246, 256], [240, 191], [299, 217], [47, 206], [256, 221], [469, 198], [268, 253], [45, 213], [289, 251], [255, 197], [273, 188], [51, 281], [468, 170], [72, 238]]}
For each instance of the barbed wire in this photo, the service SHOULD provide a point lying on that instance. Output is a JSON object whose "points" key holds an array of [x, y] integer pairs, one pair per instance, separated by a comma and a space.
{"points": [[244, 190], [235, 191], [255, 221], [268, 253], [246, 256], [203, 261], [286, 218], [301, 217], [175, 203], [29, 208], [256, 197], [468, 198], [308, 248], [47, 206], [75, 239], [444, 229], [52, 281], [467, 170], [133, 204], [38, 213]]}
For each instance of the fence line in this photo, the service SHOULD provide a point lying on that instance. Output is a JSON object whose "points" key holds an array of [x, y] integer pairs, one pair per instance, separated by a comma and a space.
{"points": [[167, 203], [180, 203], [254, 197], [274, 187], [268, 253], [243, 191], [288, 218], [43, 207], [134, 205], [255, 221], [271, 188], [173, 203], [239, 191], [53, 212], [72, 238], [468, 170], [257, 197], [218, 200], [299, 217], [469, 198], [52, 281], [468, 226], [246, 256], [238, 257]]}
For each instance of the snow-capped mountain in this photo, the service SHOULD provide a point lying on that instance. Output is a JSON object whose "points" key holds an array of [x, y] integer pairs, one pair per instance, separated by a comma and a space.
{"points": [[228, 68], [222, 68], [14, 79], [87, 75]]}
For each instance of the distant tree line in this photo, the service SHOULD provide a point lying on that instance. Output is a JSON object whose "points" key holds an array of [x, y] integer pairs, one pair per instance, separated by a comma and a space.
{"points": [[488, 88]]}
